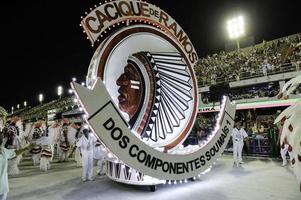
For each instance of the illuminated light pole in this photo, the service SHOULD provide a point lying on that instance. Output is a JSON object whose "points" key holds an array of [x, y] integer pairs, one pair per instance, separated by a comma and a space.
{"points": [[59, 91], [12, 109], [41, 98], [73, 79], [236, 29], [25, 103]]}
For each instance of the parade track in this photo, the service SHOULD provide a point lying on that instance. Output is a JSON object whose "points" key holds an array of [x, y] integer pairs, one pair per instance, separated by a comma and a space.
{"points": [[256, 179]]}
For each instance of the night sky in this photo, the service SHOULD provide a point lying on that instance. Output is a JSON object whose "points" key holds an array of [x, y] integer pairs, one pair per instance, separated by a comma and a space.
{"points": [[43, 46]]}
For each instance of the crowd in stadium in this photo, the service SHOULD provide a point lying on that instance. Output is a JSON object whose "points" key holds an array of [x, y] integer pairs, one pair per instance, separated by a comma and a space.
{"points": [[256, 91], [256, 126], [267, 58]]}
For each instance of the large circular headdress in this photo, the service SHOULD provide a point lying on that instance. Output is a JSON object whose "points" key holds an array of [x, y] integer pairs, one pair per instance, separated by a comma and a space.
{"points": [[148, 71]]}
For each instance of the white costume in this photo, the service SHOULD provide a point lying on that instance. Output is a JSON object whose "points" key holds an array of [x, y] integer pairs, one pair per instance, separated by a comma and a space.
{"points": [[21, 136], [46, 152], [283, 145], [72, 136], [77, 156], [86, 146], [98, 155], [238, 143], [5, 154], [64, 145], [53, 135], [28, 130], [13, 168], [36, 149], [283, 152]]}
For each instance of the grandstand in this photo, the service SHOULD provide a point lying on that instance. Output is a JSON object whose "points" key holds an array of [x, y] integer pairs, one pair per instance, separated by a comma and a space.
{"points": [[252, 78], [40, 111], [268, 58]]}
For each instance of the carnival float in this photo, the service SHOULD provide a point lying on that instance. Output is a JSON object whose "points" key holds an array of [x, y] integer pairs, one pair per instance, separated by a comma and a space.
{"points": [[141, 96]]}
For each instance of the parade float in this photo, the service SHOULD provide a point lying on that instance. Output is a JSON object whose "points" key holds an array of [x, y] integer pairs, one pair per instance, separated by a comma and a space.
{"points": [[141, 96]]}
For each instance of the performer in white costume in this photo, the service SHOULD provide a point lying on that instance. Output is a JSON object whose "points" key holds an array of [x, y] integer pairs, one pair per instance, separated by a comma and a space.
{"points": [[29, 126], [46, 152], [77, 154], [21, 136], [64, 144], [98, 155], [86, 144], [53, 135], [34, 136], [72, 131], [5, 155], [238, 136], [13, 142], [283, 144]]}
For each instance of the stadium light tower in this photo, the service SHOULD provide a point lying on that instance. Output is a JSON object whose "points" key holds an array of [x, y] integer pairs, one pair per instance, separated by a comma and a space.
{"points": [[41, 98], [236, 29], [59, 91]]}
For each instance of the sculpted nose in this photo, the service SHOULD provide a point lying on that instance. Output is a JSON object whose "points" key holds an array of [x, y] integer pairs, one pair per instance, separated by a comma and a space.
{"points": [[122, 80]]}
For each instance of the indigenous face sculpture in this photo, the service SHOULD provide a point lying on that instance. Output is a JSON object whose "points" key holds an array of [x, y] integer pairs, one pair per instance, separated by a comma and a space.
{"points": [[130, 90]]}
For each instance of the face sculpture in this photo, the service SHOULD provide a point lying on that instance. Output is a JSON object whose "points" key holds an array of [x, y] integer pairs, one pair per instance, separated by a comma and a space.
{"points": [[130, 90]]}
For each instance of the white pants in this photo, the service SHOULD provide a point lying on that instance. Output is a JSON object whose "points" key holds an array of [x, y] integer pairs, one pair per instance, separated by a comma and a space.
{"points": [[78, 158], [3, 196], [44, 163], [100, 164], [19, 158], [283, 152], [63, 155], [36, 159], [237, 150], [52, 151], [12, 168], [87, 159]]}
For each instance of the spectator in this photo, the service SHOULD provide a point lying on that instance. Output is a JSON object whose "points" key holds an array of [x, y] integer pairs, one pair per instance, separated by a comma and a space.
{"points": [[267, 58]]}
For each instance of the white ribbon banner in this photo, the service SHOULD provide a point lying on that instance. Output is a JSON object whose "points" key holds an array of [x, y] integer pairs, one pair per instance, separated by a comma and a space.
{"points": [[110, 127]]}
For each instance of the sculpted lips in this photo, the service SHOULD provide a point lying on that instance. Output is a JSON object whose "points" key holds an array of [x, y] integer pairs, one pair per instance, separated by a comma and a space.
{"points": [[122, 97]]}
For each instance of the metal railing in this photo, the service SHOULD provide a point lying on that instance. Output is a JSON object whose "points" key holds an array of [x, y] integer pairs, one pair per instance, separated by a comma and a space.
{"points": [[286, 67]]}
